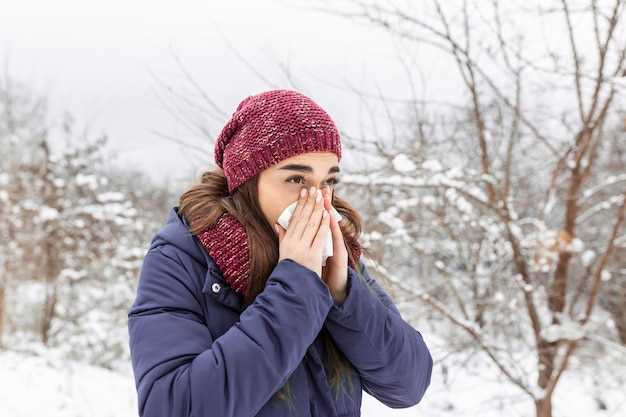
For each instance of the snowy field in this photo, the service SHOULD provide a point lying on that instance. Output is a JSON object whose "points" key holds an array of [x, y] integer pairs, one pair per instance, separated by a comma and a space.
{"points": [[40, 383]]}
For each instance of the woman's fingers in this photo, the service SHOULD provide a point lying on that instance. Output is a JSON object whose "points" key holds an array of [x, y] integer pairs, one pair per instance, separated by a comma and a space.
{"points": [[333, 225], [327, 197], [318, 241], [314, 221], [301, 220], [306, 233], [297, 212], [280, 232]]}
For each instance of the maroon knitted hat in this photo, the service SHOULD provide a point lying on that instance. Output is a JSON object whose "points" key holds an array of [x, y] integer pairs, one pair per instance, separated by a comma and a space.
{"points": [[269, 127]]}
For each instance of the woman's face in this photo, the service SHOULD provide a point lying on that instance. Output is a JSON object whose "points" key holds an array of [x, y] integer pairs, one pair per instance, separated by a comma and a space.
{"points": [[279, 185]]}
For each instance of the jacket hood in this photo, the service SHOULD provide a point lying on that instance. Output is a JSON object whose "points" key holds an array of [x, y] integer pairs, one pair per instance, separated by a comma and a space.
{"points": [[176, 232]]}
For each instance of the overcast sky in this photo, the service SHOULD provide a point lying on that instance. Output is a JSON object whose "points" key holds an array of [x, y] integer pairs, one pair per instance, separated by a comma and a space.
{"points": [[95, 59]]}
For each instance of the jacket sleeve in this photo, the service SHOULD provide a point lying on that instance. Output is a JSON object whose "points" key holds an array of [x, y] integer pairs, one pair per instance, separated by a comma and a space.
{"points": [[181, 369], [390, 356]]}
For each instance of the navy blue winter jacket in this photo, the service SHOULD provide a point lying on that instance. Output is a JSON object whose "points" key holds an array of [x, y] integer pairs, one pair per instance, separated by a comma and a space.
{"points": [[197, 352]]}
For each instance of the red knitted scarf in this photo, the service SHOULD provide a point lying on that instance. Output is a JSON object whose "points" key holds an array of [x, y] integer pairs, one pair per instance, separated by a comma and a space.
{"points": [[226, 242]]}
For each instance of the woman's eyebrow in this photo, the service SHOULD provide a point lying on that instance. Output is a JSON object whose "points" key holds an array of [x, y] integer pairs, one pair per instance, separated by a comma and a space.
{"points": [[307, 168]]}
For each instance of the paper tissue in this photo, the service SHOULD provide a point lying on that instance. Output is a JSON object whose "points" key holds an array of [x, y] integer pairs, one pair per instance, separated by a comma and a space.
{"points": [[285, 216]]}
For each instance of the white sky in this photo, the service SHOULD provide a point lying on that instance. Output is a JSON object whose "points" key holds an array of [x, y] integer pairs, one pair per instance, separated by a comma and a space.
{"points": [[95, 60]]}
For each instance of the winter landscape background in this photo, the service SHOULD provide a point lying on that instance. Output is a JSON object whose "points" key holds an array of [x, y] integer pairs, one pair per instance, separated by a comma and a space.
{"points": [[485, 148]]}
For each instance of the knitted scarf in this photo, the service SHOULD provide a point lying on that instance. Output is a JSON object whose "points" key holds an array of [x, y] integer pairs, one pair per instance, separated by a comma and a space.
{"points": [[226, 241]]}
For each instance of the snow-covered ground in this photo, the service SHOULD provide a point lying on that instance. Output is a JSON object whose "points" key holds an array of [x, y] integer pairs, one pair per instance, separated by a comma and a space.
{"points": [[40, 383], [45, 385]]}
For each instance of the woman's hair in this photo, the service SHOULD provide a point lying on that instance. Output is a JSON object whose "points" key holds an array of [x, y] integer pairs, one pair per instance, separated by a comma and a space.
{"points": [[205, 201]]}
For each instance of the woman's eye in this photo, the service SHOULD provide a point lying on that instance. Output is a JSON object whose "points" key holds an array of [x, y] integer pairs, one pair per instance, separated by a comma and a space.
{"points": [[297, 178]]}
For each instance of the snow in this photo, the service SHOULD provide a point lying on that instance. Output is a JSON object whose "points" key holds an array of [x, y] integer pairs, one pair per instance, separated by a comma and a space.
{"points": [[432, 165], [389, 217], [402, 163], [489, 178], [90, 180], [537, 391], [36, 381], [587, 257], [610, 180], [110, 196], [568, 329], [72, 274], [47, 213], [576, 245], [516, 230], [29, 204], [619, 81], [44, 385]]}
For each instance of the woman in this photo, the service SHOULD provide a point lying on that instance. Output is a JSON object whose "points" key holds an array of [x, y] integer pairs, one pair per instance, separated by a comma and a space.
{"points": [[236, 316]]}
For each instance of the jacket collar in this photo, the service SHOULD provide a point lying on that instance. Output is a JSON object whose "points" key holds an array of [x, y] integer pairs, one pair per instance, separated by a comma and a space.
{"points": [[176, 231], [218, 288]]}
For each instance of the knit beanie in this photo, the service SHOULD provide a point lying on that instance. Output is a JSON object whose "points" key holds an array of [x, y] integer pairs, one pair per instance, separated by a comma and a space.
{"points": [[265, 129], [269, 127]]}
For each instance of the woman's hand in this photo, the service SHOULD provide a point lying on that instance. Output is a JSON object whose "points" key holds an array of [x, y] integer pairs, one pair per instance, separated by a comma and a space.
{"points": [[336, 268], [303, 240]]}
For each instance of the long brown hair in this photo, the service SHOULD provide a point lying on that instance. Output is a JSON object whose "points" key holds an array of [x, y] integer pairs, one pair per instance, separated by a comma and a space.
{"points": [[207, 199]]}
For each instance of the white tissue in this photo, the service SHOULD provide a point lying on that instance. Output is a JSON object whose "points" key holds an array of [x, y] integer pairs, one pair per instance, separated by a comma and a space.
{"points": [[285, 216]]}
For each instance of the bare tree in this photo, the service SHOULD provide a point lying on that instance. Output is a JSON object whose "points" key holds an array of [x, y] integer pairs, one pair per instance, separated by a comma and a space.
{"points": [[22, 120], [70, 232], [505, 186]]}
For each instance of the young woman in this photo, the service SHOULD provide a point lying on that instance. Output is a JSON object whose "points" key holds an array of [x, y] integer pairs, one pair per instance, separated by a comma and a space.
{"points": [[236, 316]]}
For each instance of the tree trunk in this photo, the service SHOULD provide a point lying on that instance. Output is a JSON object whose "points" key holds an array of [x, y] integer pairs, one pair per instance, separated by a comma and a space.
{"points": [[2, 310], [547, 353], [543, 407], [621, 326], [616, 307], [48, 310]]}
